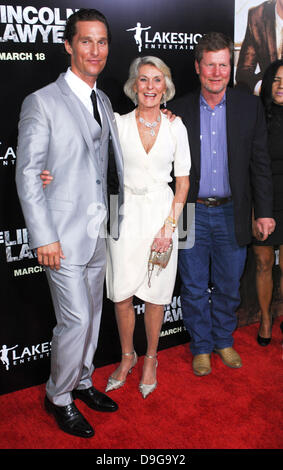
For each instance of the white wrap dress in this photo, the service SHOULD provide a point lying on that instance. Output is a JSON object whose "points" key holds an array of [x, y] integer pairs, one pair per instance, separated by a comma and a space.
{"points": [[148, 200]]}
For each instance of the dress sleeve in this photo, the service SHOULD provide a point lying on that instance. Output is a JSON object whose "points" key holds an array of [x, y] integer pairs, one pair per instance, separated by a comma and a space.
{"points": [[182, 155]]}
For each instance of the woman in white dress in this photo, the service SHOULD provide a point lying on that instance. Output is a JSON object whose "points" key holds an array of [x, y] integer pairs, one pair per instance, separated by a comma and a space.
{"points": [[151, 145]]}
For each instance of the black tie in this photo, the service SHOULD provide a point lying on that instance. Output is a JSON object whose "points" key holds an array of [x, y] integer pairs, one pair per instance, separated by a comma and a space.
{"points": [[95, 109]]}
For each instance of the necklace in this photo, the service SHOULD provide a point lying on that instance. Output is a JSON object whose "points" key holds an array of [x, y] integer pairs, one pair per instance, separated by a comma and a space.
{"points": [[151, 125]]}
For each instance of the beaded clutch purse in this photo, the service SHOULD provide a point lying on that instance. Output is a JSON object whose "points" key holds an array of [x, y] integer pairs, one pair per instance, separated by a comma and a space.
{"points": [[158, 259]]}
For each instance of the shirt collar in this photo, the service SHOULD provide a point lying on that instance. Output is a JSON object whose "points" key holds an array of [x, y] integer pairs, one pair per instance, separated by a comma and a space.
{"points": [[204, 104], [77, 85]]}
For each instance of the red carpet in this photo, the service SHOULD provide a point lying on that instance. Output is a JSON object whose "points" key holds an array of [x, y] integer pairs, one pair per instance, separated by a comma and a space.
{"points": [[228, 409]]}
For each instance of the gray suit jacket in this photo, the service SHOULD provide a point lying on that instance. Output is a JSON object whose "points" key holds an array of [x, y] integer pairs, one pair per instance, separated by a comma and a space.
{"points": [[54, 135]]}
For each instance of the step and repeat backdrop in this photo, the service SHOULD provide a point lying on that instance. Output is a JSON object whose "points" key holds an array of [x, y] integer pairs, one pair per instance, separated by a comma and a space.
{"points": [[31, 56]]}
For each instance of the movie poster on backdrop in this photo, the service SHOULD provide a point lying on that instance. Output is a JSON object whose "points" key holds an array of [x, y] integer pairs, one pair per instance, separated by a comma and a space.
{"points": [[258, 40], [257, 43], [31, 56]]}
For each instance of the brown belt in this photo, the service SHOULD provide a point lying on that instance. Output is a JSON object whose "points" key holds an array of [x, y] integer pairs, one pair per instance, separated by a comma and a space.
{"points": [[213, 201]]}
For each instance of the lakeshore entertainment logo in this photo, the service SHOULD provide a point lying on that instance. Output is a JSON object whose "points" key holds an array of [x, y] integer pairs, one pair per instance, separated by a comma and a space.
{"points": [[146, 38], [16, 355], [28, 24]]}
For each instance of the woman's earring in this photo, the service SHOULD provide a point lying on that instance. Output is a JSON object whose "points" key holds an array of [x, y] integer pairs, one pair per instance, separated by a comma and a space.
{"points": [[164, 103], [136, 99]]}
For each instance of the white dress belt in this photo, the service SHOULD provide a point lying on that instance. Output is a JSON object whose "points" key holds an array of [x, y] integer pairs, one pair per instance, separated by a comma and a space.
{"points": [[146, 190]]}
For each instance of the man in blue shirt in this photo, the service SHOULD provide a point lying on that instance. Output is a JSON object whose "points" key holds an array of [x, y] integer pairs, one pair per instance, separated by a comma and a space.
{"points": [[230, 174]]}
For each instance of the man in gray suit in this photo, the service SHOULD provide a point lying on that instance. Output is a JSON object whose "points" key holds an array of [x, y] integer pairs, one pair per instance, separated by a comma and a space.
{"points": [[60, 130]]}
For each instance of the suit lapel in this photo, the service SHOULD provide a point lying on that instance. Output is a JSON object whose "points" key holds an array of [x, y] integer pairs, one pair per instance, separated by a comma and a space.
{"points": [[109, 114], [113, 131], [233, 120], [269, 21], [75, 111], [194, 126]]}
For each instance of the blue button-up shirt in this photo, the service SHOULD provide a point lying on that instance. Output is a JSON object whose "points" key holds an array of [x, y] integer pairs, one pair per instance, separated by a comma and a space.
{"points": [[214, 175]]}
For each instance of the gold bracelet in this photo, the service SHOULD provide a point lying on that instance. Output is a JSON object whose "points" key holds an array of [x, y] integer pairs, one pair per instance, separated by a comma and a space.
{"points": [[170, 221]]}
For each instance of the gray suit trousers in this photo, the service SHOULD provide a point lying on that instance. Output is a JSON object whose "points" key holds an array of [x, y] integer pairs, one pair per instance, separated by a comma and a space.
{"points": [[77, 294]]}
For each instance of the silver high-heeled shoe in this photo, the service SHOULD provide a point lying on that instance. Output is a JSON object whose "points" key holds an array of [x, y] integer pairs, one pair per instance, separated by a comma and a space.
{"points": [[146, 389], [114, 384]]}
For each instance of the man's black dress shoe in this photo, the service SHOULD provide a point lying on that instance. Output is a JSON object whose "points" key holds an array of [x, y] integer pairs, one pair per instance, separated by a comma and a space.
{"points": [[96, 400], [69, 419]]}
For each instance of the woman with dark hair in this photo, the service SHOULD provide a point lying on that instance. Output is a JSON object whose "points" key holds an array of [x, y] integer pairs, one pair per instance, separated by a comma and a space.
{"points": [[272, 97]]}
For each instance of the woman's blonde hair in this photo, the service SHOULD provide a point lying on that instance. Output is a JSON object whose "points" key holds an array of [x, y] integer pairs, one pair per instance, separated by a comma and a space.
{"points": [[133, 75]]}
